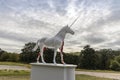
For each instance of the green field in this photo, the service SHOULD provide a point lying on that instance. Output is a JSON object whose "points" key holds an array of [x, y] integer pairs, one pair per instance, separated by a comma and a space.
{"points": [[14, 77], [25, 75], [105, 71], [14, 73], [78, 77], [15, 64], [86, 77]]}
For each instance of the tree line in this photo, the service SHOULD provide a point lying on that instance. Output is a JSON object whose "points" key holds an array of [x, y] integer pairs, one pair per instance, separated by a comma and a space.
{"points": [[88, 58], [7, 56]]}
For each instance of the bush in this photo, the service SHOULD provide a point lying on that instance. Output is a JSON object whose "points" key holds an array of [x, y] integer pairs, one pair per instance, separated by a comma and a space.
{"points": [[115, 64], [118, 59]]}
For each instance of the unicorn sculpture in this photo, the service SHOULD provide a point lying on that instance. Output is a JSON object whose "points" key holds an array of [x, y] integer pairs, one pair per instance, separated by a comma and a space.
{"points": [[55, 43]]}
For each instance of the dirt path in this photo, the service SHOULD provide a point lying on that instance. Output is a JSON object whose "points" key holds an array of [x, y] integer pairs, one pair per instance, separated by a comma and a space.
{"points": [[113, 76], [13, 67]]}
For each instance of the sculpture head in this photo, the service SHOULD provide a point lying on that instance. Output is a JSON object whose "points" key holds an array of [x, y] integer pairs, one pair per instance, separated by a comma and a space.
{"points": [[68, 30]]}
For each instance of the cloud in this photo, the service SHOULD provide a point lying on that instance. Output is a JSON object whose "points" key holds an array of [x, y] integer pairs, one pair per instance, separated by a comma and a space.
{"points": [[94, 38], [23, 21]]}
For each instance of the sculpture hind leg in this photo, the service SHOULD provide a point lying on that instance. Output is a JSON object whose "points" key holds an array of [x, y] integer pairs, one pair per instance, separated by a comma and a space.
{"points": [[41, 54], [42, 58]]}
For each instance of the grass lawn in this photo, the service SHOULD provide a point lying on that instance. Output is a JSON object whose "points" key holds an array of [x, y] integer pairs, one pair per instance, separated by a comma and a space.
{"points": [[86, 77], [14, 72], [78, 77], [14, 77], [15, 64], [105, 71]]}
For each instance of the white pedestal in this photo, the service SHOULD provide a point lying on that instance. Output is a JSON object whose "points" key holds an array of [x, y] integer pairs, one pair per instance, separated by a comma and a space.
{"points": [[49, 71]]}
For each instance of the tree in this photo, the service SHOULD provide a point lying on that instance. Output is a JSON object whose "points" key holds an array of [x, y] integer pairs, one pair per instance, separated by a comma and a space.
{"points": [[105, 56], [88, 58], [27, 55], [70, 58], [1, 52], [14, 57], [4, 57]]}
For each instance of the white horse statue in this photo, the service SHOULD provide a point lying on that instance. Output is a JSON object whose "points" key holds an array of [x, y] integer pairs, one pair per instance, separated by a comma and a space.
{"points": [[55, 43]]}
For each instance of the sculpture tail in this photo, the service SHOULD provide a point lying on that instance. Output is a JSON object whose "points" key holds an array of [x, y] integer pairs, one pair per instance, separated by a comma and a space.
{"points": [[36, 46], [39, 43]]}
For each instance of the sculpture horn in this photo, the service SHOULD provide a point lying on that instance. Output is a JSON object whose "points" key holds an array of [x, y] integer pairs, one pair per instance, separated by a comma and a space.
{"points": [[74, 21]]}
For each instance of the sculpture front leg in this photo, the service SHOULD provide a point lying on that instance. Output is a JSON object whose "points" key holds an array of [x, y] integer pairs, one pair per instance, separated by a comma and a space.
{"points": [[62, 60], [54, 59], [38, 57], [42, 58], [61, 53]]}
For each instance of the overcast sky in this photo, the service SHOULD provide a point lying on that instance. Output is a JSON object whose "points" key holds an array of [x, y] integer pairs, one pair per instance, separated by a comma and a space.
{"points": [[23, 21]]}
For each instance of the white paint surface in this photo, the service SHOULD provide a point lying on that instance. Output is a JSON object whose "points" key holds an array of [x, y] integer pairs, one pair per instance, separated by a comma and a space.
{"points": [[47, 71]]}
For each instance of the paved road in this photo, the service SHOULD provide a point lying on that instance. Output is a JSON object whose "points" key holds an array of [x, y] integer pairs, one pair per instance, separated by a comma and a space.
{"points": [[113, 76], [13, 67]]}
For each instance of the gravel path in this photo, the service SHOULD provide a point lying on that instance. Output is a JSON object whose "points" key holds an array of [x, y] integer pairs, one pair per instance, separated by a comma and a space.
{"points": [[114, 76], [13, 67]]}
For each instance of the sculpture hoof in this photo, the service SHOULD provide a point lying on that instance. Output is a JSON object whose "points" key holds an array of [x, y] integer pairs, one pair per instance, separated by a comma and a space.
{"points": [[44, 62], [63, 62], [38, 62], [55, 63]]}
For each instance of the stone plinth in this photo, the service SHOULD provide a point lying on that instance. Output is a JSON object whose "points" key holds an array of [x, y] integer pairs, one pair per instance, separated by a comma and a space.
{"points": [[40, 71]]}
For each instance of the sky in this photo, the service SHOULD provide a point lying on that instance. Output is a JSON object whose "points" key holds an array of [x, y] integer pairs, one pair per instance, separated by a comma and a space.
{"points": [[23, 21]]}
